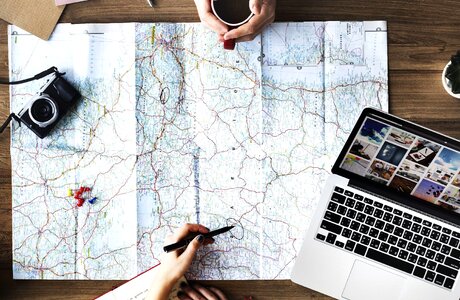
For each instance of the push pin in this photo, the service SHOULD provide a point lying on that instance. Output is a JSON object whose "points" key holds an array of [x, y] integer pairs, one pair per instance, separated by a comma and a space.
{"points": [[69, 192], [80, 202], [92, 200]]}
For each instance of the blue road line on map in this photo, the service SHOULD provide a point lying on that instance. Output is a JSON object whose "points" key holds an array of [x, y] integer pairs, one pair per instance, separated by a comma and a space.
{"points": [[196, 176]]}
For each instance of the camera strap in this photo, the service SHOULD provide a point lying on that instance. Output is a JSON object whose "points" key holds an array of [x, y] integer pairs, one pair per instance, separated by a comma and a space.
{"points": [[38, 76]]}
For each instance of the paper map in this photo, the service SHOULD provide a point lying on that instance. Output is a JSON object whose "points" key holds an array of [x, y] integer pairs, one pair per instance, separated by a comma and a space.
{"points": [[174, 129]]}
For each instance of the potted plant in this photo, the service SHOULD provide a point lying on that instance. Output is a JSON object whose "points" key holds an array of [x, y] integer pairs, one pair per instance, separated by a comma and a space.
{"points": [[451, 76]]}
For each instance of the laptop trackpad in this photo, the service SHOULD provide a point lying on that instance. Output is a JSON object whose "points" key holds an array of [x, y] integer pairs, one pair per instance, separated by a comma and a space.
{"points": [[368, 282]]}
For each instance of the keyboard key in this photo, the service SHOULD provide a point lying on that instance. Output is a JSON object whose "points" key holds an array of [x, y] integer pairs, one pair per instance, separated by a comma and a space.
{"points": [[369, 210], [365, 240], [351, 213], [354, 225], [425, 231], [345, 222], [397, 212], [350, 245], [338, 190], [387, 208], [348, 193], [426, 223], [417, 238], [384, 247], [393, 251], [330, 216], [389, 228], [402, 243], [331, 238], [455, 253], [431, 265], [449, 272], [439, 258], [360, 217], [356, 236], [387, 217], [416, 219], [397, 220], [449, 283], [411, 247], [416, 227], [378, 213], [379, 224], [331, 227], [403, 254], [375, 244], [436, 227], [445, 249], [346, 232], [364, 229], [320, 237], [368, 201], [439, 279], [383, 236], [374, 232], [412, 258], [430, 254], [452, 262], [406, 224], [436, 246], [407, 216], [332, 206], [456, 234], [360, 249], [378, 204], [339, 244], [422, 261], [358, 197], [426, 242], [408, 235], [392, 240], [444, 239], [435, 235], [359, 206], [419, 272], [370, 221], [350, 202], [447, 230], [390, 260], [429, 276], [338, 198], [341, 210], [421, 250], [453, 242], [398, 231]]}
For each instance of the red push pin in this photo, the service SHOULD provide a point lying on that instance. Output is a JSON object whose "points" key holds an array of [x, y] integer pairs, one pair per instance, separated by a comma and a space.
{"points": [[80, 202], [229, 44]]}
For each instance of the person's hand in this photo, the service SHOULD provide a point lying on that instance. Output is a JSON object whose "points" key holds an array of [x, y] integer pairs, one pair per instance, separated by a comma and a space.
{"points": [[198, 292], [174, 264], [208, 18], [264, 14]]}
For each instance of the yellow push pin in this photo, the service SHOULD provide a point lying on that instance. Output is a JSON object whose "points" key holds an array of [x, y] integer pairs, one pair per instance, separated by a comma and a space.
{"points": [[69, 192]]}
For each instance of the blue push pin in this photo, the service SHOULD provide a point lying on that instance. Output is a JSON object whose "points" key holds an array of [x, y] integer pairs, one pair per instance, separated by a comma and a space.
{"points": [[92, 200]]}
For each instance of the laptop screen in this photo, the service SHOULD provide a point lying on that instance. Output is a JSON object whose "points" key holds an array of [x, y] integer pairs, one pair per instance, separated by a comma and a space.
{"points": [[405, 159]]}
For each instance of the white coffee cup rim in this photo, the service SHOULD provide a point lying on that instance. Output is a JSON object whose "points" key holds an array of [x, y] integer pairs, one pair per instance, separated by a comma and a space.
{"points": [[446, 83], [231, 24]]}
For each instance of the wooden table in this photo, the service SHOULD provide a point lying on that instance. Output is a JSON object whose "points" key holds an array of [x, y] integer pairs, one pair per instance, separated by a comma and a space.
{"points": [[422, 35]]}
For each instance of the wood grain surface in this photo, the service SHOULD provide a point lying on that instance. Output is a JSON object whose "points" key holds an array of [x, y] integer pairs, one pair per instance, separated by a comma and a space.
{"points": [[422, 35]]}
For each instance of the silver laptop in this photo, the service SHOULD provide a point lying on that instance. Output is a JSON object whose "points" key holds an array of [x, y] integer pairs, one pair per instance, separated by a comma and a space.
{"points": [[388, 222]]}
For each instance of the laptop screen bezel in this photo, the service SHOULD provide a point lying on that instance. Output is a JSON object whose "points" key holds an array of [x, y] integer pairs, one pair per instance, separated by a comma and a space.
{"points": [[407, 200]]}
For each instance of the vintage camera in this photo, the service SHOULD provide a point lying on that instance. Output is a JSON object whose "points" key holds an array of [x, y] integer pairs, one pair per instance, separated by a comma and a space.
{"points": [[44, 110]]}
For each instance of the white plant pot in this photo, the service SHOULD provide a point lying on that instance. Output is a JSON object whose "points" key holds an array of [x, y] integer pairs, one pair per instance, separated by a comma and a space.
{"points": [[446, 82]]}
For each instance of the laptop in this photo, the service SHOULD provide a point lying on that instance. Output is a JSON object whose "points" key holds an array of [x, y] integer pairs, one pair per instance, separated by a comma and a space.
{"points": [[388, 222]]}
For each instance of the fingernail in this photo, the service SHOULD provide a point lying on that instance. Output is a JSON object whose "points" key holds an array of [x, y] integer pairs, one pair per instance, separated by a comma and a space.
{"points": [[200, 238]]}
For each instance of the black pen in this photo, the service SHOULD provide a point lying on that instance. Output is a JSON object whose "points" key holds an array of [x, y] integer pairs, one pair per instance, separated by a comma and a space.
{"points": [[184, 243]]}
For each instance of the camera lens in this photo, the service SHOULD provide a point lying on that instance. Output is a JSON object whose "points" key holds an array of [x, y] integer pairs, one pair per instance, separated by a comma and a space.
{"points": [[43, 111]]}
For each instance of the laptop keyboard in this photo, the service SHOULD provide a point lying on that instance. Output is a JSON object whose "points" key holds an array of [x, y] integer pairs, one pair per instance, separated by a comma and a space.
{"points": [[392, 237]]}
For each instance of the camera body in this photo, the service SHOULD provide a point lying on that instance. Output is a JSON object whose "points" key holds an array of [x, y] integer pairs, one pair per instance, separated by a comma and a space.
{"points": [[52, 102]]}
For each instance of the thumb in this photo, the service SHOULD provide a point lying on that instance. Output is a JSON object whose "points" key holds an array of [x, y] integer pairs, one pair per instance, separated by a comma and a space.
{"points": [[189, 253], [255, 6]]}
